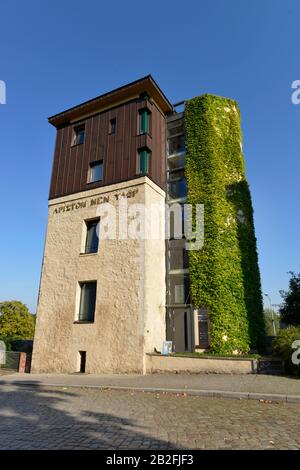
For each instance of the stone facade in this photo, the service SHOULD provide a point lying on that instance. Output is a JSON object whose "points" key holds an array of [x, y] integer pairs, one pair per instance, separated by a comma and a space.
{"points": [[196, 365], [130, 273]]}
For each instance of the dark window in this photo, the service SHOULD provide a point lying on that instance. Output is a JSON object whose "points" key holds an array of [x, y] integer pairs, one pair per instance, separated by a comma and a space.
{"points": [[185, 331], [92, 236], [177, 185], [87, 301], [96, 171], [175, 128], [176, 145], [143, 161], [178, 255], [112, 126], [179, 289], [144, 121], [176, 161], [78, 135], [82, 361]]}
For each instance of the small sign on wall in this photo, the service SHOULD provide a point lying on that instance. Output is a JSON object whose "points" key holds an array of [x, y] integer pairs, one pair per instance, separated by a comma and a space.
{"points": [[166, 348]]}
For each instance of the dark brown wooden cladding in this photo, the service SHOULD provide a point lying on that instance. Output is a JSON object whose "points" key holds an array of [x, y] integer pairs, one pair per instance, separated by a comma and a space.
{"points": [[118, 151]]}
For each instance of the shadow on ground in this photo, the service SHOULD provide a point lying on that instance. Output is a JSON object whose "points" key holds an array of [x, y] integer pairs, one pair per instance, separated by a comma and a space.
{"points": [[36, 417]]}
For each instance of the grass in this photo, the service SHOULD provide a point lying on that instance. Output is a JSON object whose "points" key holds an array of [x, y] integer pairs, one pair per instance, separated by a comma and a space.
{"points": [[204, 355]]}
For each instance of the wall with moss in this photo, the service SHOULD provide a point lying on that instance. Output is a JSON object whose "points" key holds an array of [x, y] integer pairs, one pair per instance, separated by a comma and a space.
{"points": [[224, 273]]}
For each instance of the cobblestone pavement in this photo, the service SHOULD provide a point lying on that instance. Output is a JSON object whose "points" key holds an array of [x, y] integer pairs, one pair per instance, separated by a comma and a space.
{"points": [[81, 418]]}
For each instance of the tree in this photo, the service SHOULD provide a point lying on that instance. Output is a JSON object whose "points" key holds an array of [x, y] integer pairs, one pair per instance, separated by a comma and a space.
{"points": [[16, 322], [270, 317], [290, 310]]}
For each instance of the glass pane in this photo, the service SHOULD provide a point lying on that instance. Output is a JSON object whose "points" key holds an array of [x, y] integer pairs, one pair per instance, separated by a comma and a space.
{"points": [[87, 301], [92, 238], [113, 123], [179, 293], [96, 172], [178, 255], [143, 162], [176, 161], [176, 175], [176, 145], [179, 289], [177, 127], [144, 121], [80, 137], [177, 189]]}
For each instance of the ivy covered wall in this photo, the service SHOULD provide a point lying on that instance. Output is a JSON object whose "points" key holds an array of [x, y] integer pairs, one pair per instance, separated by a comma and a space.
{"points": [[224, 274]]}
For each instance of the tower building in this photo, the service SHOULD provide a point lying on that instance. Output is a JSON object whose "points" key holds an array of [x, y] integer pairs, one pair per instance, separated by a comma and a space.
{"points": [[114, 286]]}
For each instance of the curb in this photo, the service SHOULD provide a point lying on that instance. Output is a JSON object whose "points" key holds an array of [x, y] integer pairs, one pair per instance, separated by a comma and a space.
{"points": [[182, 391]]}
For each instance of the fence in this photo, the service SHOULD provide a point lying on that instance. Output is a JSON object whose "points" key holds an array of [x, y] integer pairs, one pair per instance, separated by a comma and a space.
{"points": [[13, 361]]}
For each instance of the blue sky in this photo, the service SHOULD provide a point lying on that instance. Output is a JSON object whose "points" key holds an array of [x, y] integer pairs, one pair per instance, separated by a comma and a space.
{"points": [[56, 54]]}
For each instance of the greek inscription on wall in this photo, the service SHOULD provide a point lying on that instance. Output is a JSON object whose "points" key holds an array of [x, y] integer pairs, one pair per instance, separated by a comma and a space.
{"points": [[95, 201]]}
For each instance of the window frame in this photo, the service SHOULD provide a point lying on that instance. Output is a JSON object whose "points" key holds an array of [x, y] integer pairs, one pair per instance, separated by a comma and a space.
{"points": [[91, 166], [76, 131], [143, 112], [79, 317], [139, 154], [112, 126], [94, 221]]}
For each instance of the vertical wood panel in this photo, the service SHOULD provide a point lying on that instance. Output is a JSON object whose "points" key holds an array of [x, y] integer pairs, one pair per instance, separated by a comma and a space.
{"points": [[118, 151]]}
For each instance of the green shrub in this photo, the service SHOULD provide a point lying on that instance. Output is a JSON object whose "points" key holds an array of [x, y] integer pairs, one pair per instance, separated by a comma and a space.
{"points": [[224, 274], [282, 347]]}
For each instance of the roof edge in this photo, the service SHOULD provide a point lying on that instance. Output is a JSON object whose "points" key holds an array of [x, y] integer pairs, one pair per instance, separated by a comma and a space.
{"points": [[111, 97]]}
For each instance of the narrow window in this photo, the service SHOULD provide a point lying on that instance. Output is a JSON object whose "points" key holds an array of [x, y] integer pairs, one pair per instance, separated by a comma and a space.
{"points": [[144, 121], [143, 161], [82, 361], [79, 133], [185, 331], [92, 236], [112, 126], [96, 171], [87, 301]]}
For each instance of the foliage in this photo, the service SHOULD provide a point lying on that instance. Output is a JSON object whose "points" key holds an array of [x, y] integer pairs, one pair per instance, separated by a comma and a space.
{"points": [[16, 322], [282, 347], [290, 311], [271, 315], [207, 355], [224, 275]]}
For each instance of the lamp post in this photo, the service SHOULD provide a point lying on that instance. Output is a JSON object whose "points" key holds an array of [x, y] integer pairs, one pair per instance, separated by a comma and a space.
{"points": [[272, 313]]}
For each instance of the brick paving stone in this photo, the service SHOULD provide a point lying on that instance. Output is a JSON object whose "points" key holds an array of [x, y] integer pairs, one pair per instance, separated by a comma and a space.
{"points": [[86, 418]]}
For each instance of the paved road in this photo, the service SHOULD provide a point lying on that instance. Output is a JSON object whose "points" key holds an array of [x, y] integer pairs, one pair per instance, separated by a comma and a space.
{"points": [[77, 418], [251, 383]]}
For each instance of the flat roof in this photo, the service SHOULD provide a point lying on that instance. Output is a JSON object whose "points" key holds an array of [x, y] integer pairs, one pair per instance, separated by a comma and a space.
{"points": [[146, 84]]}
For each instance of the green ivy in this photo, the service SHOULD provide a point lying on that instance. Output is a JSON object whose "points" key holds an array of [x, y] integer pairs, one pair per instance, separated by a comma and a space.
{"points": [[224, 274]]}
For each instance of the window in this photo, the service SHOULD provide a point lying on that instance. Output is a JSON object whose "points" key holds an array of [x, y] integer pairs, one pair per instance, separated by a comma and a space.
{"points": [[175, 127], [78, 135], [176, 145], [176, 161], [92, 236], [112, 126], [177, 186], [143, 161], [178, 256], [179, 289], [82, 361], [96, 171], [144, 121], [87, 301]]}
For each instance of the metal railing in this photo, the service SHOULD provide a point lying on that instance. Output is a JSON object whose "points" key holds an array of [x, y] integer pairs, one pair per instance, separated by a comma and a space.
{"points": [[9, 360]]}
